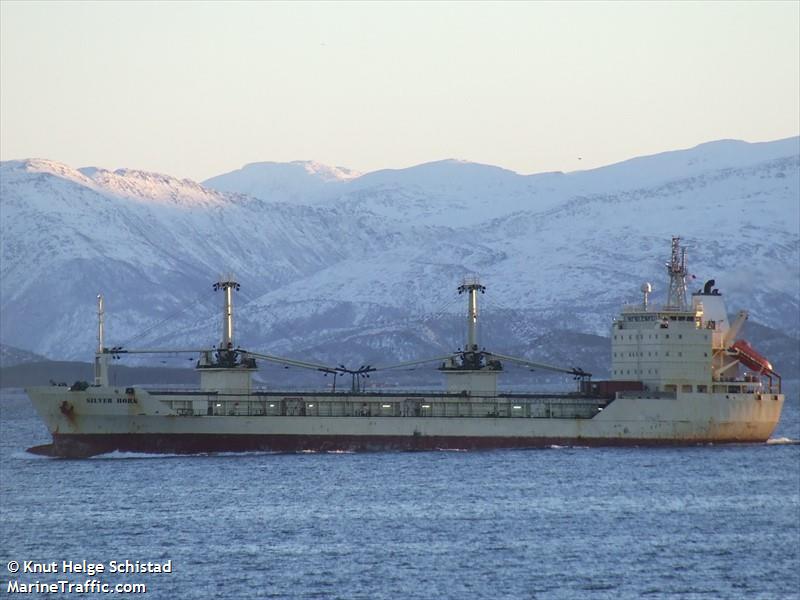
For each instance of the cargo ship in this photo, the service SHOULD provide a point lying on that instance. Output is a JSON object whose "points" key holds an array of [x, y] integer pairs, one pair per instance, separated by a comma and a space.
{"points": [[679, 375]]}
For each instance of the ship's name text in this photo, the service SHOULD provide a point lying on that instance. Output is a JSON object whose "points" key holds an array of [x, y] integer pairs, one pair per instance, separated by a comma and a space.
{"points": [[91, 400]]}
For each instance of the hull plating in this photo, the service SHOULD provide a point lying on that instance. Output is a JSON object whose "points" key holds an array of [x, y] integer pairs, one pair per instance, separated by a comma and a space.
{"points": [[82, 446], [87, 428]]}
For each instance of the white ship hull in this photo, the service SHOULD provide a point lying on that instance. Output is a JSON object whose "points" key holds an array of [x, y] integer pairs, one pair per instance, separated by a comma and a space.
{"points": [[101, 420]]}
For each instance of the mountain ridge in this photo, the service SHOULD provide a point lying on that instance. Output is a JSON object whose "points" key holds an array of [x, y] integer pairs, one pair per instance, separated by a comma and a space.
{"points": [[363, 272]]}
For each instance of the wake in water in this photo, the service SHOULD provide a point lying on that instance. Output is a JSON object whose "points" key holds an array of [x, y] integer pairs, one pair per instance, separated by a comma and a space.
{"points": [[119, 455], [25, 455], [782, 441]]}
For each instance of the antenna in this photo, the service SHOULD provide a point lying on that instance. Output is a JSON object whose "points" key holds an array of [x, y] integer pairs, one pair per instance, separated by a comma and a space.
{"points": [[676, 269]]}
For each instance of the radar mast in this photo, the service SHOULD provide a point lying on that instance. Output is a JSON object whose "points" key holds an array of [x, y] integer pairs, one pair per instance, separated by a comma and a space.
{"points": [[676, 269]]}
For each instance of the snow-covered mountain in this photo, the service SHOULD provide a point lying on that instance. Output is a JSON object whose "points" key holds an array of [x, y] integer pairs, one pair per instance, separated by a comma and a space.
{"points": [[347, 268], [10, 356], [298, 181]]}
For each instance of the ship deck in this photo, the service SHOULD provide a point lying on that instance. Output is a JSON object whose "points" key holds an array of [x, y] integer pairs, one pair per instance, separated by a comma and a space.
{"points": [[379, 404]]}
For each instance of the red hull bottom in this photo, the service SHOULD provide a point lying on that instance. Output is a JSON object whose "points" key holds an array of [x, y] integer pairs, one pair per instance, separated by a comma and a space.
{"points": [[85, 445]]}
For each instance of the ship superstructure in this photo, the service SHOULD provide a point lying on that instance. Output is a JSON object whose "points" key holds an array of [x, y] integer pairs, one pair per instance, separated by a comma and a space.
{"points": [[687, 346], [679, 376]]}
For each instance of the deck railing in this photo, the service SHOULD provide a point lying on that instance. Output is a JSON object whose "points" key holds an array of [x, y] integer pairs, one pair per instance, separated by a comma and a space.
{"points": [[306, 406]]}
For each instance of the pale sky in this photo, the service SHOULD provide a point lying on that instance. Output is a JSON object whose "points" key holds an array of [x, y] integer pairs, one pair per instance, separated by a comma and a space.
{"points": [[197, 89]]}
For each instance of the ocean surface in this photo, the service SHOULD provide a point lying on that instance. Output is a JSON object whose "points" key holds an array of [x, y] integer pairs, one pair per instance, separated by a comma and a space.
{"points": [[698, 522]]}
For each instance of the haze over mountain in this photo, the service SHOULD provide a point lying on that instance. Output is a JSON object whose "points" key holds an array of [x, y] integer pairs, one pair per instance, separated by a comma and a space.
{"points": [[346, 268]]}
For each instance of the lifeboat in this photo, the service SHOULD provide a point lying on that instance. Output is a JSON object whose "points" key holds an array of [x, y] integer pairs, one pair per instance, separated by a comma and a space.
{"points": [[752, 359]]}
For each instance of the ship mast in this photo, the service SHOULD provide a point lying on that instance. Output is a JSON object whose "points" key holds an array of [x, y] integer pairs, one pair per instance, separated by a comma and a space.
{"points": [[100, 357], [227, 285], [100, 317], [471, 286], [676, 269]]}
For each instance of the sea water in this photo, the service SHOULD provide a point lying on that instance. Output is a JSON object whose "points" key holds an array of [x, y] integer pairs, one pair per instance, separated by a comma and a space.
{"points": [[696, 522]]}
